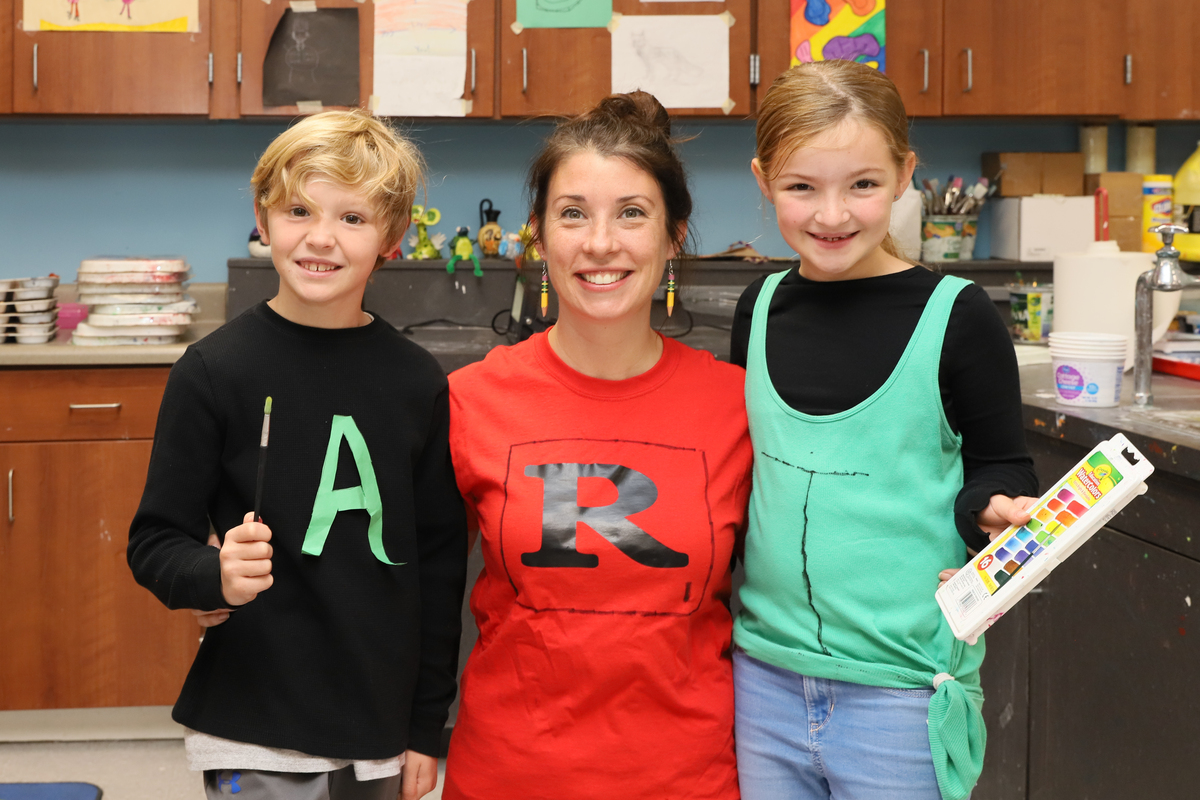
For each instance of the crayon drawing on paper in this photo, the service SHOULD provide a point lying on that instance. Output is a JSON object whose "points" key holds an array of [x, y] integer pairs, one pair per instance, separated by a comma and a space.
{"points": [[852, 30], [420, 58], [119, 16]]}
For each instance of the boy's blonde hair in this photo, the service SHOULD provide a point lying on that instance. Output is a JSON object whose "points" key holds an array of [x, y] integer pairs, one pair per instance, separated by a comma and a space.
{"points": [[352, 148], [812, 98]]}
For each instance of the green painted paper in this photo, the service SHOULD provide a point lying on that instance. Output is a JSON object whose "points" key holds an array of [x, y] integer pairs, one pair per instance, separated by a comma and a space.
{"points": [[564, 13], [330, 501]]}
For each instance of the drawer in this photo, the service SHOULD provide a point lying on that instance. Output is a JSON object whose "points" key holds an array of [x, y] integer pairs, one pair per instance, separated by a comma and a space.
{"points": [[64, 404]]}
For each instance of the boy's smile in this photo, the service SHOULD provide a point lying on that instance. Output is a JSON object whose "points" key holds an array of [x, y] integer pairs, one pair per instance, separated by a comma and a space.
{"points": [[324, 252]]}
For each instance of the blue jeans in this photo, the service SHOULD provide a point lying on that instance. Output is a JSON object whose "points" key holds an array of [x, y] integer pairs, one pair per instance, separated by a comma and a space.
{"points": [[801, 738]]}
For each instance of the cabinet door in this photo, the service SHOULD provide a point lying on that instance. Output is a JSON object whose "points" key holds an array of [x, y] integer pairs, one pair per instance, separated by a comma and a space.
{"points": [[78, 632], [92, 72], [259, 22], [1160, 78], [1025, 57], [563, 71], [480, 86], [1113, 689], [913, 47]]}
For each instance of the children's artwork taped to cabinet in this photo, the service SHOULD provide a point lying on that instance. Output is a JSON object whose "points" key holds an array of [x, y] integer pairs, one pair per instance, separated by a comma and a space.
{"points": [[683, 60], [123, 16], [849, 30], [564, 13], [420, 58]]}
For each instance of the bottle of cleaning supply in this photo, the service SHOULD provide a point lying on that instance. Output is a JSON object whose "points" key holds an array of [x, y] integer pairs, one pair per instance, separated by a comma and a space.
{"points": [[1187, 207], [1156, 208]]}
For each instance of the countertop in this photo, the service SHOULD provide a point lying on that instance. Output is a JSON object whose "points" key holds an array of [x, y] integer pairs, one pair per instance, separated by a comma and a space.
{"points": [[210, 297], [1168, 433]]}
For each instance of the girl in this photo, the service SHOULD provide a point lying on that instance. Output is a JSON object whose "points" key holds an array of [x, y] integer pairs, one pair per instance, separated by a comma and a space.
{"points": [[608, 470], [885, 413]]}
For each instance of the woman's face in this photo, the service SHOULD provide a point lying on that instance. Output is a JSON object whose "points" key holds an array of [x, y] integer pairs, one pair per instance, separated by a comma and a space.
{"points": [[604, 237]]}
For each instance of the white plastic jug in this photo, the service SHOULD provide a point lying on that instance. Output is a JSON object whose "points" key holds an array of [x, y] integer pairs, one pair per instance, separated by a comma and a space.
{"points": [[1094, 292]]}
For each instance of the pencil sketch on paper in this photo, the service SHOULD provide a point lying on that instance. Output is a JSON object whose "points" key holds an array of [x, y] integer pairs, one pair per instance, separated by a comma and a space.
{"points": [[298, 55], [557, 6], [683, 60]]}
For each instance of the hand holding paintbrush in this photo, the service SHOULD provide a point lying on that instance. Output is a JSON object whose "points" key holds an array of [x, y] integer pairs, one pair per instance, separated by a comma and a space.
{"points": [[246, 552]]}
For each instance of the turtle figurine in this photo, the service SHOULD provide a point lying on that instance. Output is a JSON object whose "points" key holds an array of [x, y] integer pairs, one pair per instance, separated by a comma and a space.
{"points": [[462, 248], [424, 246]]}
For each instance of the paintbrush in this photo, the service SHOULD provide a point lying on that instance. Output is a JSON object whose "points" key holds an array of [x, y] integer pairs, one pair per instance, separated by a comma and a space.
{"points": [[262, 461]]}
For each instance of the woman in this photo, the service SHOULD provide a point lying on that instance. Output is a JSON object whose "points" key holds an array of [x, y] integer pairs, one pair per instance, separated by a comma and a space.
{"points": [[607, 469]]}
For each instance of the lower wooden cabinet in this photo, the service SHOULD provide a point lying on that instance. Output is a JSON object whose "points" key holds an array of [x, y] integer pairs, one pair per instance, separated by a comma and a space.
{"points": [[77, 630]]}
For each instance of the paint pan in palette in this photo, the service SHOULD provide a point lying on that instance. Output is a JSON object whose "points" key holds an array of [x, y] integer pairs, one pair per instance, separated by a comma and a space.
{"points": [[1063, 519]]}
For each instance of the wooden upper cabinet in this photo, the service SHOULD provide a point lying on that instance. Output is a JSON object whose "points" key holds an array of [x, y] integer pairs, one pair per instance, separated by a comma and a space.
{"points": [[913, 50], [92, 72], [563, 71], [1033, 57], [1160, 80], [914, 54]]}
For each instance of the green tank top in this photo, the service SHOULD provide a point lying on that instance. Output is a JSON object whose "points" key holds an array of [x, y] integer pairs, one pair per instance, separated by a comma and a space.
{"points": [[851, 519]]}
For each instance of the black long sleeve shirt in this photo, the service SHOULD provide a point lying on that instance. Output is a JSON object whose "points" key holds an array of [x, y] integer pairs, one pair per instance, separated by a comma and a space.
{"points": [[344, 656], [831, 345]]}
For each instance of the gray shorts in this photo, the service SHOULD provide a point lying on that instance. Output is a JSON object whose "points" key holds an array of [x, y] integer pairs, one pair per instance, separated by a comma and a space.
{"points": [[250, 784]]}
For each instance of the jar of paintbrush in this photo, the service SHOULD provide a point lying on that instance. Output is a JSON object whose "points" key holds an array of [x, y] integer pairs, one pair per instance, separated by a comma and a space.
{"points": [[950, 218]]}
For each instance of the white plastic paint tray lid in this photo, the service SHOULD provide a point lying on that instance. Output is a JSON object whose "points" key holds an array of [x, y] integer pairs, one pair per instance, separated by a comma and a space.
{"points": [[123, 264]]}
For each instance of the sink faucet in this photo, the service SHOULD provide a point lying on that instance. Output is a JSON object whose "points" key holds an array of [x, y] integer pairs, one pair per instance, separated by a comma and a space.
{"points": [[1165, 276]]}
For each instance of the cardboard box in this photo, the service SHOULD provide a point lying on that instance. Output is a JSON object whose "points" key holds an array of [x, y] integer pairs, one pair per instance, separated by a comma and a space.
{"points": [[1039, 228], [1126, 232], [1062, 173], [1027, 174], [1124, 191]]}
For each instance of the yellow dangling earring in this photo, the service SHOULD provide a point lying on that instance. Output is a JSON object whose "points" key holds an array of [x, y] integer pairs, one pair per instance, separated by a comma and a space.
{"points": [[545, 289], [670, 287]]}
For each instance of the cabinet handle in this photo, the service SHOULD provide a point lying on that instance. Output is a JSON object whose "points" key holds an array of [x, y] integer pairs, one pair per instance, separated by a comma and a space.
{"points": [[925, 85], [970, 69], [1128, 69], [472, 70], [210, 69], [35, 67], [524, 70], [10, 505], [239, 69], [81, 406]]}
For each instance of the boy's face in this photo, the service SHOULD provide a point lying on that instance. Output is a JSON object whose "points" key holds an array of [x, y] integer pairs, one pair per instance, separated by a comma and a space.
{"points": [[324, 252]]}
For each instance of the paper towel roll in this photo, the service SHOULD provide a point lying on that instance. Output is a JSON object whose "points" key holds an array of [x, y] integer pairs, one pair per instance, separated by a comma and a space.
{"points": [[1095, 292]]}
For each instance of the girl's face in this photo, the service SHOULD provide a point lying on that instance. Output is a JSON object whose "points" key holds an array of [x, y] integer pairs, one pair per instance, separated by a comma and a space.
{"points": [[604, 237], [833, 201]]}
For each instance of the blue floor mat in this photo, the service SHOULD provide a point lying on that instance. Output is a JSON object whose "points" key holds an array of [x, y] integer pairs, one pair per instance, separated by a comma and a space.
{"points": [[49, 791]]}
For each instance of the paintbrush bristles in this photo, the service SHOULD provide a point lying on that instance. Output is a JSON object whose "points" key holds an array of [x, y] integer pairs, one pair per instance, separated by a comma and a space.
{"points": [[267, 407]]}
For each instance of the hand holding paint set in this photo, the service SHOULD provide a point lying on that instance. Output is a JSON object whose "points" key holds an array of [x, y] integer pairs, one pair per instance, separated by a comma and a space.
{"points": [[1017, 560], [133, 301]]}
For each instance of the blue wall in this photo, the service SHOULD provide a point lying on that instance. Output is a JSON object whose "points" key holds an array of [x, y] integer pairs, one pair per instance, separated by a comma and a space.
{"points": [[70, 190]]}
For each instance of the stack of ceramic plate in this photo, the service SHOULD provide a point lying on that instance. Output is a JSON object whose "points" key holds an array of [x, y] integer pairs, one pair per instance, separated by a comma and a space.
{"points": [[133, 301], [28, 310]]}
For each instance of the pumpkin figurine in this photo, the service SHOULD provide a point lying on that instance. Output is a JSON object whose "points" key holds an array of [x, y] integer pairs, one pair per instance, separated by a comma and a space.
{"points": [[424, 246], [489, 229], [462, 248]]}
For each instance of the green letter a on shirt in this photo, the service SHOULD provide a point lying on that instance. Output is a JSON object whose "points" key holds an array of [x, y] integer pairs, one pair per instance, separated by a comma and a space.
{"points": [[330, 501]]}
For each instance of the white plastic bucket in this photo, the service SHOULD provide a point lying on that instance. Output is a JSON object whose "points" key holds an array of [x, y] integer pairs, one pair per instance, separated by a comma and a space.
{"points": [[1088, 368]]}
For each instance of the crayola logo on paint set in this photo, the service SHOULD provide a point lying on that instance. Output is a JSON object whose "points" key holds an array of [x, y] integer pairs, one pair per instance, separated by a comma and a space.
{"points": [[1085, 498]]}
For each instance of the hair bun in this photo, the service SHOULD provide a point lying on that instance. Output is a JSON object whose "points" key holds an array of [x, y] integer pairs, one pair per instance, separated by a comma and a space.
{"points": [[638, 108]]}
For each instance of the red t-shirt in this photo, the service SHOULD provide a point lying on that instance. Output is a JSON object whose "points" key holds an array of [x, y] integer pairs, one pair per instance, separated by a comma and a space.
{"points": [[608, 512]]}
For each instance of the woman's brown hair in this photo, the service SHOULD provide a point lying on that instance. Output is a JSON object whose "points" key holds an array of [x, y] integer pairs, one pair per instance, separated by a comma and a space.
{"points": [[631, 126], [812, 98]]}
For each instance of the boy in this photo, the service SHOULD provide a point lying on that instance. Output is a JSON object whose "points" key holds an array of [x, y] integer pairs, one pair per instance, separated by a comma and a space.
{"points": [[337, 669]]}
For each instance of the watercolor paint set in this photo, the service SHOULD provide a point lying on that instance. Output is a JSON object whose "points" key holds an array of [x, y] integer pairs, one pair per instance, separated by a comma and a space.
{"points": [[1064, 518]]}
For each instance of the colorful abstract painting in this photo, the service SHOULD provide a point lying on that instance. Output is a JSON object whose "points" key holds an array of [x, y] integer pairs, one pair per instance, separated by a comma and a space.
{"points": [[853, 30]]}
